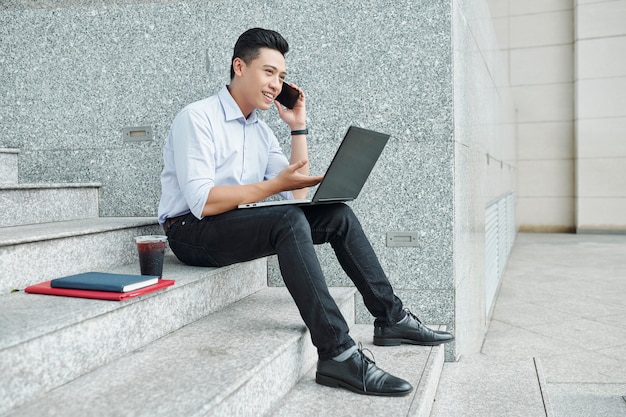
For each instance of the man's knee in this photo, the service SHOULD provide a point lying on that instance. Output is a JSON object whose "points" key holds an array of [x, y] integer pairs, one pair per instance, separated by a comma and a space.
{"points": [[294, 218], [343, 216], [343, 210]]}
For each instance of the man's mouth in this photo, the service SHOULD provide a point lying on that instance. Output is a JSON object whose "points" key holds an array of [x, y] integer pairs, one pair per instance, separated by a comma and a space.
{"points": [[268, 95]]}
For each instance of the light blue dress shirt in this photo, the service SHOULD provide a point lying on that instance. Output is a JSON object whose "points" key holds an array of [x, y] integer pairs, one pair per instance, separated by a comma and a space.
{"points": [[212, 143]]}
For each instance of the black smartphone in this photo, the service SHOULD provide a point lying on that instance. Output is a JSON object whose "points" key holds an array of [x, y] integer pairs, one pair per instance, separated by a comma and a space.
{"points": [[288, 96]]}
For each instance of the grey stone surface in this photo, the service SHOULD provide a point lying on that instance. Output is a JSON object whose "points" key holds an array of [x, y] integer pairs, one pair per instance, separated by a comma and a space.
{"points": [[33, 253], [429, 382], [75, 73], [416, 364], [482, 386], [8, 166], [485, 161], [44, 203], [558, 305], [150, 59], [439, 187], [48, 341], [499, 340], [583, 400], [238, 361]]}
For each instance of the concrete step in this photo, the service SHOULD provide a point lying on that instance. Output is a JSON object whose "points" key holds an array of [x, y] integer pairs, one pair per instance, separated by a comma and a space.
{"points": [[48, 341], [45, 203], [33, 253], [238, 361], [420, 365], [8, 165]]}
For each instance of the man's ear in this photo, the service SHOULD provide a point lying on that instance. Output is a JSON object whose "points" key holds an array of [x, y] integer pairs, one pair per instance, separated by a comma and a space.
{"points": [[238, 66]]}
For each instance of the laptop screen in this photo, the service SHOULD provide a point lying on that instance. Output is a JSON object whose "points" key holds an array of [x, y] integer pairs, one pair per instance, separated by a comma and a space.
{"points": [[351, 166]]}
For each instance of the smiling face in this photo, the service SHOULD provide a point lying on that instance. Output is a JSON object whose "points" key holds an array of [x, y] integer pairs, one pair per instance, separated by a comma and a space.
{"points": [[255, 84]]}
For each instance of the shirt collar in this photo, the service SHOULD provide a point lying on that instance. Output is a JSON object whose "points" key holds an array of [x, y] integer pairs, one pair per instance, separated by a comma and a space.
{"points": [[232, 110]]}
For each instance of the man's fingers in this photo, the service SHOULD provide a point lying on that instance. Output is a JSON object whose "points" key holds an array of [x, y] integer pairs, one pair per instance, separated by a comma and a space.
{"points": [[316, 179]]}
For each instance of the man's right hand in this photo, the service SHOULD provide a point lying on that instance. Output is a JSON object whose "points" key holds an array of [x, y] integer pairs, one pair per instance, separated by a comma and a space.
{"points": [[223, 198], [290, 179]]}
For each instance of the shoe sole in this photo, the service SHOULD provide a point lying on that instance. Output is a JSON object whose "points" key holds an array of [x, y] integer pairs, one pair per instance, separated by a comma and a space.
{"points": [[336, 383], [383, 341]]}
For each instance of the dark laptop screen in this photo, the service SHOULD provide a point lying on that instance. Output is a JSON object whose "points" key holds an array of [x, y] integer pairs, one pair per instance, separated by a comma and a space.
{"points": [[351, 165]]}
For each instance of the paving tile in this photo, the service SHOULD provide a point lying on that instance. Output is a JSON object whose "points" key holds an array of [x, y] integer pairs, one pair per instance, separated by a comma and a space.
{"points": [[511, 341], [584, 367], [481, 386], [615, 352], [560, 302], [585, 306], [588, 334], [515, 292], [584, 400], [524, 314], [613, 320]]}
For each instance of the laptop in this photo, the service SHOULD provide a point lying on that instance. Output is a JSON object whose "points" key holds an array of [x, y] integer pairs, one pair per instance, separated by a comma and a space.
{"points": [[347, 172]]}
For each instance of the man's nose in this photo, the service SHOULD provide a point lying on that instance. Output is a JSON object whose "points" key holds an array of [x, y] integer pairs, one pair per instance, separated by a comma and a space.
{"points": [[276, 83]]}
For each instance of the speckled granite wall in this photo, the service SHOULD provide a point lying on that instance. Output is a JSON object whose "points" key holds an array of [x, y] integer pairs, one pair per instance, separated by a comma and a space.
{"points": [[75, 73]]}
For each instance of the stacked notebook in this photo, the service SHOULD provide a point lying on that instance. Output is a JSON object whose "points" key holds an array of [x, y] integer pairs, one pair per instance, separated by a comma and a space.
{"points": [[101, 285]]}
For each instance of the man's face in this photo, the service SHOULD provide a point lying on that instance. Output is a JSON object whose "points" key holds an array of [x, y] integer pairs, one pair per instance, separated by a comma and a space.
{"points": [[261, 79]]}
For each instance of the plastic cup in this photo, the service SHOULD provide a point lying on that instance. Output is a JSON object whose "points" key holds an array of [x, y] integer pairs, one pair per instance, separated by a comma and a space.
{"points": [[151, 250]]}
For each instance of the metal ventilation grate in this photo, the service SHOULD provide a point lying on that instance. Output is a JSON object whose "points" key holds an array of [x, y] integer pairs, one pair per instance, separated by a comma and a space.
{"points": [[500, 233]]}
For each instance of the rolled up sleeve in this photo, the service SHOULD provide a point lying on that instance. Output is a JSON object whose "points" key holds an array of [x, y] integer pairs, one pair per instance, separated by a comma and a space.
{"points": [[194, 156]]}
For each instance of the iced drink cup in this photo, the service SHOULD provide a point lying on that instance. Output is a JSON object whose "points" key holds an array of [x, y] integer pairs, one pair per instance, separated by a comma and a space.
{"points": [[151, 250]]}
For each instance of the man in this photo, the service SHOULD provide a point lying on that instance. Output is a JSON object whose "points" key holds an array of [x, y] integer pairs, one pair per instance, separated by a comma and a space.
{"points": [[218, 155]]}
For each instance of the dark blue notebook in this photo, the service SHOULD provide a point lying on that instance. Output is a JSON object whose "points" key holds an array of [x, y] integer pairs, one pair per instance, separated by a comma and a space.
{"points": [[103, 281]]}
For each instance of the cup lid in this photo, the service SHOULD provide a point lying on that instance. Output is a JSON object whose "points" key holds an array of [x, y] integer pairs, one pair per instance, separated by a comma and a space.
{"points": [[151, 238]]}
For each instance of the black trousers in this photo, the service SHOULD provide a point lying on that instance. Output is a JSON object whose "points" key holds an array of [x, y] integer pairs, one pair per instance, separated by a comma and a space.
{"points": [[290, 233]]}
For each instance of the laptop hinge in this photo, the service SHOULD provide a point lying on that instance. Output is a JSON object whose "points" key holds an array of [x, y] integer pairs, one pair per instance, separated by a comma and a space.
{"points": [[332, 200]]}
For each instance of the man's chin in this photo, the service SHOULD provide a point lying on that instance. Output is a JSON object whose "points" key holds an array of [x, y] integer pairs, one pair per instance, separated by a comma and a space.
{"points": [[265, 106]]}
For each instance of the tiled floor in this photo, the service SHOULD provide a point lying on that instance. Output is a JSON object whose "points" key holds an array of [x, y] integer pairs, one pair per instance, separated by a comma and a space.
{"points": [[558, 329]]}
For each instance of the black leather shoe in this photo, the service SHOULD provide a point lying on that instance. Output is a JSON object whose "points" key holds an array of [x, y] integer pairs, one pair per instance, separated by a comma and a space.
{"points": [[360, 374], [412, 332]]}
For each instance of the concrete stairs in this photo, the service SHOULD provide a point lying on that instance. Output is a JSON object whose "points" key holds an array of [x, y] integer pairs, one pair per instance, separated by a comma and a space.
{"points": [[220, 342]]}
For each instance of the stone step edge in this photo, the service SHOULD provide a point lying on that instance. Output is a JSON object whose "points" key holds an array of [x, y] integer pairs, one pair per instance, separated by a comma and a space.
{"points": [[25, 372], [31, 254], [27, 204], [45, 186], [240, 360], [397, 360], [42, 311], [17, 235], [9, 150], [429, 381]]}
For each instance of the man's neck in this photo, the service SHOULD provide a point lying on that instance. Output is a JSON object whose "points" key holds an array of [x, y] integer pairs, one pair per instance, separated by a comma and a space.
{"points": [[239, 100]]}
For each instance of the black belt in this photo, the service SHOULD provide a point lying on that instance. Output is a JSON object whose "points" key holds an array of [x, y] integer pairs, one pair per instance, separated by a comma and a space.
{"points": [[170, 221]]}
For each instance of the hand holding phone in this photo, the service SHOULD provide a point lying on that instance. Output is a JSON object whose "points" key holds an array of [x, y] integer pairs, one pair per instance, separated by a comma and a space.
{"points": [[288, 96]]}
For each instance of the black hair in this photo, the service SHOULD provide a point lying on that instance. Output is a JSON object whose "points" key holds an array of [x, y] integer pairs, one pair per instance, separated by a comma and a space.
{"points": [[252, 40]]}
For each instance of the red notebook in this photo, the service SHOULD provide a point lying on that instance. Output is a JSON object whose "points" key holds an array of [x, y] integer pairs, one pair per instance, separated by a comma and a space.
{"points": [[45, 288]]}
